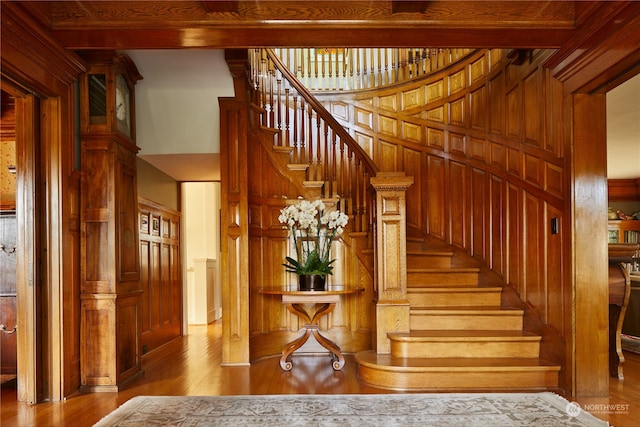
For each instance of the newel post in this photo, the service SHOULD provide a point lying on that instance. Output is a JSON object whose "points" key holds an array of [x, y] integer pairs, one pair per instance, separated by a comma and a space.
{"points": [[392, 305]]}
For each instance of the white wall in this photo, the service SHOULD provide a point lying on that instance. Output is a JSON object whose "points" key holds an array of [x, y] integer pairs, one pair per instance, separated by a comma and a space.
{"points": [[177, 99], [201, 237], [623, 130]]}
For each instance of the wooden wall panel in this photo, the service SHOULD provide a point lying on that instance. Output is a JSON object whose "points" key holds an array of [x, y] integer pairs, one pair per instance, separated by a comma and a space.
{"points": [[496, 102], [514, 112], [533, 266], [412, 160], [436, 200], [477, 105], [145, 284], [514, 251], [457, 112], [160, 274], [554, 261], [458, 191], [388, 161], [478, 211], [496, 232], [533, 103]]}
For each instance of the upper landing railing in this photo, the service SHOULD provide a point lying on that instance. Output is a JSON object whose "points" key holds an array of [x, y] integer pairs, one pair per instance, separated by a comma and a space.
{"points": [[344, 69]]}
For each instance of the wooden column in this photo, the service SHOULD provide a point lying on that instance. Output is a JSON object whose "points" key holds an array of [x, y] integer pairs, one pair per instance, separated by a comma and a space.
{"points": [[392, 305], [590, 303], [110, 294], [234, 221]]}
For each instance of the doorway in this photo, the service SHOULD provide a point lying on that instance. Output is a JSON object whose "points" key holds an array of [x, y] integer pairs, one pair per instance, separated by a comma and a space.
{"points": [[22, 313], [8, 295]]}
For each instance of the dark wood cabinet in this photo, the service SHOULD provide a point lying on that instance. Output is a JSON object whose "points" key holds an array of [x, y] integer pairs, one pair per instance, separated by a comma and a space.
{"points": [[624, 231]]}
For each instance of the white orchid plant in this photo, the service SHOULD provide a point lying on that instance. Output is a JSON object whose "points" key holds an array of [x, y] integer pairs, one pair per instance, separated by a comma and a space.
{"points": [[313, 233]]}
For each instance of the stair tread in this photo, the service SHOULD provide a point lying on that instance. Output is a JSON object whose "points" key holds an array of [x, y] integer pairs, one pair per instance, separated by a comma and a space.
{"points": [[472, 335], [426, 252], [455, 363]]}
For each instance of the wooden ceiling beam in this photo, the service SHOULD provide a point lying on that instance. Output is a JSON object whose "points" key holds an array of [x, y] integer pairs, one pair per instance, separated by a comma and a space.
{"points": [[263, 13], [306, 37]]}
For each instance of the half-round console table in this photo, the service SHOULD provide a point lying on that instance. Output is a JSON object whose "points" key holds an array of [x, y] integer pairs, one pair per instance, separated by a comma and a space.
{"points": [[324, 302]]}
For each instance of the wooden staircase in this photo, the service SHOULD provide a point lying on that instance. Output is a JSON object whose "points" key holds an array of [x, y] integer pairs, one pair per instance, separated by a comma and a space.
{"points": [[460, 338]]}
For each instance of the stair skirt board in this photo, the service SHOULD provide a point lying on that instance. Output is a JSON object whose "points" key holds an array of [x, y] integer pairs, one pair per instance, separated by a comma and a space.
{"points": [[418, 374]]}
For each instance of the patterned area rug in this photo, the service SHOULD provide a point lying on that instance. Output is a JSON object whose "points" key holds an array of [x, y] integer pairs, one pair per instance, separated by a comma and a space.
{"points": [[494, 409]]}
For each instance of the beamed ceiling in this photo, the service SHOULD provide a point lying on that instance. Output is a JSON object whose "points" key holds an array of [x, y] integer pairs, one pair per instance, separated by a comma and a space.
{"points": [[376, 23]]}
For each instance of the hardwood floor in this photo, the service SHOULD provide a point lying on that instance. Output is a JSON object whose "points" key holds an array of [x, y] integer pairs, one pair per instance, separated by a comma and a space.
{"points": [[191, 366]]}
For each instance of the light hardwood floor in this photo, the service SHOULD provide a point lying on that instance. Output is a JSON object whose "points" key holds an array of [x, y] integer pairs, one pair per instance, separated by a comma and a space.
{"points": [[191, 366]]}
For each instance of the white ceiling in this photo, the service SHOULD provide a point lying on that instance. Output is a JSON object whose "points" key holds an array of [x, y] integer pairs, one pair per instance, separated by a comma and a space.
{"points": [[177, 115]]}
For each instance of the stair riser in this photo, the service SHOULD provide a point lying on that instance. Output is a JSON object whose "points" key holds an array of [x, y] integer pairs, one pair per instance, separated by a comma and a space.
{"points": [[451, 299], [466, 380], [428, 261], [465, 349], [444, 278], [466, 322]]}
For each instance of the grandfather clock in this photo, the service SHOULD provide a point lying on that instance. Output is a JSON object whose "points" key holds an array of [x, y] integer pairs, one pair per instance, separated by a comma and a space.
{"points": [[110, 352]]}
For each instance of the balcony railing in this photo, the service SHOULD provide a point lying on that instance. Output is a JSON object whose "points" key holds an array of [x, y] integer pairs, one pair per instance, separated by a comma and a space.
{"points": [[343, 69]]}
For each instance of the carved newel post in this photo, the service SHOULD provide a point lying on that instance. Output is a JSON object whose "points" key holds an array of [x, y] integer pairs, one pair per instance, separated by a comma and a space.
{"points": [[392, 305]]}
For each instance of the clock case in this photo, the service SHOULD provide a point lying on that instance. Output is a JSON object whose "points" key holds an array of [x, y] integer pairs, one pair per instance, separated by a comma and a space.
{"points": [[110, 289], [98, 87]]}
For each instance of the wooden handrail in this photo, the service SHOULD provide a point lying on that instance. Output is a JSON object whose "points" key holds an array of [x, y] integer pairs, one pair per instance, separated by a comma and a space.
{"points": [[333, 161], [372, 169]]}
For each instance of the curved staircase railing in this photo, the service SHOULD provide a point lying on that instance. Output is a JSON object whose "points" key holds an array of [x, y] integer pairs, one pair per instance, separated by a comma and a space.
{"points": [[331, 69], [315, 141]]}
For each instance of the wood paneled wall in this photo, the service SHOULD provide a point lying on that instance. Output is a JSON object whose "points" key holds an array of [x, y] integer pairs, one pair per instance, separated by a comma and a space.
{"points": [[271, 324], [34, 63], [483, 141], [160, 274], [255, 185]]}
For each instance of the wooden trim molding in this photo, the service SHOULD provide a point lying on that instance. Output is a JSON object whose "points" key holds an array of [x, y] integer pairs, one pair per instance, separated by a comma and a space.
{"points": [[624, 190]]}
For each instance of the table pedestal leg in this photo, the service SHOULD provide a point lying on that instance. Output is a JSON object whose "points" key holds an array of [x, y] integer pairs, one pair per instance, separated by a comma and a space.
{"points": [[311, 327], [285, 359]]}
